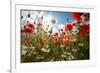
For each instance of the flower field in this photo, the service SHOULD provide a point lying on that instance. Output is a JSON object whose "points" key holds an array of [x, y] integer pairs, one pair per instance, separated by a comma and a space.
{"points": [[54, 36]]}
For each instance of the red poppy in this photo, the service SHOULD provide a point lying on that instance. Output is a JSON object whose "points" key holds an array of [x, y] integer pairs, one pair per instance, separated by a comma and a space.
{"points": [[65, 40], [55, 39], [76, 16], [55, 36], [29, 28], [56, 43], [84, 29], [69, 26], [30, 25], [82, 33]]}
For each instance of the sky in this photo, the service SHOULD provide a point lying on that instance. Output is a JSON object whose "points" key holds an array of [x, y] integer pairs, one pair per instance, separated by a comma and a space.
{"points": [[61, 18]]}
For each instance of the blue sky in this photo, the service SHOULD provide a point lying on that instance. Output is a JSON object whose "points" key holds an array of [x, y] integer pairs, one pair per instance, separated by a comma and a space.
{"points": [[62, 17]]}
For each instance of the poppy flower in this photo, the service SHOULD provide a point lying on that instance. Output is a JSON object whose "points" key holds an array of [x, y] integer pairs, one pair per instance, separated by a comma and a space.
{"points": [[55, 39], [84, 29], [69, 26], [82, 33], [55, 36], [65, 40], [76, 16], [56, 43], [29, 28], [30, 25]]}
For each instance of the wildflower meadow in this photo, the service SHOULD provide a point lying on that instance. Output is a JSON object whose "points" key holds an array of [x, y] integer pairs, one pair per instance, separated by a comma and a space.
{"points": [[48, 36]]}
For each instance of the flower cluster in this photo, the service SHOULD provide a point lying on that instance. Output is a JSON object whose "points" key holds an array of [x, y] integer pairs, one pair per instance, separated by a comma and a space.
{"points": [[70, 43], [28, 28]]}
